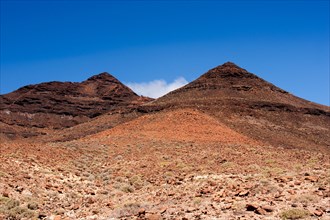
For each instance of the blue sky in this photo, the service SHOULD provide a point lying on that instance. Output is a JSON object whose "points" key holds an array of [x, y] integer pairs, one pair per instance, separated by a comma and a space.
{"points": [[153, 44]]}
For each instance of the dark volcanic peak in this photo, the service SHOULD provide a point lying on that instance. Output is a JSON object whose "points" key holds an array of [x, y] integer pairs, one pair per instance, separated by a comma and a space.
{"points": [[229, 65], [228, 69], [229, 77], [103, 77], [64, 104], [222, 83], [229, 85]]}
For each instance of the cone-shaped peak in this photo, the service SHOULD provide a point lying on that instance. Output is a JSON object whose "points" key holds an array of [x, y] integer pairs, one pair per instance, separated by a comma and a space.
{"points": [[103, 77], [230, 64], [229, 69]]}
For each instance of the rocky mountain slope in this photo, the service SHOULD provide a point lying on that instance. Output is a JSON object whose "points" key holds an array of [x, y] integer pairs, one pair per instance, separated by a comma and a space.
{"points": [[250, 105], [57, 105]]}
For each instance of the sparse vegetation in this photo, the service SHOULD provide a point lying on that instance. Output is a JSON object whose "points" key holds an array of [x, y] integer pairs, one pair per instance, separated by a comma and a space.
{"points": [[129, 208], [197, 201], [254, 167], [12, 210], [32, 205], [294, 214], [239, 206], [305, 199], [127, 188], [227, 165], [136, 181]]}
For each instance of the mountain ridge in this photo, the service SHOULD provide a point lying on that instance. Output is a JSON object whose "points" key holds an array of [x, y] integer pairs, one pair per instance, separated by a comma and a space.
{"points": [[237, 98], [58, 105]]}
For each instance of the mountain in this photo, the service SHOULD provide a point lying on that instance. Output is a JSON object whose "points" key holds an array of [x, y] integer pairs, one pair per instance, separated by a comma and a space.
{"points": [[238, 99], [228, 83], [58, 105], [252, 106], [228, 145]]}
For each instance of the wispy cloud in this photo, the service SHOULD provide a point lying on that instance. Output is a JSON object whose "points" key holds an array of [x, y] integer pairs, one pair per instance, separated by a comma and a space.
{"points": [[156, 88]]}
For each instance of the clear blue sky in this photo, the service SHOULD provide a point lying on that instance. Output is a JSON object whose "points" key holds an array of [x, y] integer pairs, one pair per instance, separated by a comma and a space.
{"points": [[284, 42]]}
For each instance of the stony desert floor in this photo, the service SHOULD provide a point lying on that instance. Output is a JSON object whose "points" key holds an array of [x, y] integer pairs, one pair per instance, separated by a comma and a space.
{"points": [[179, 165]]}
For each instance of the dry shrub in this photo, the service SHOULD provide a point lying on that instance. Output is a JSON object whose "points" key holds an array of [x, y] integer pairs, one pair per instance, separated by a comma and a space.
{"points": [[294, 214]]}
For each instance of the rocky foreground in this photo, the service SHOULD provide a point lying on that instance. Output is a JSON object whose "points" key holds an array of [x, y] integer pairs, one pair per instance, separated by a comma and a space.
{"points": [[112, 178]]}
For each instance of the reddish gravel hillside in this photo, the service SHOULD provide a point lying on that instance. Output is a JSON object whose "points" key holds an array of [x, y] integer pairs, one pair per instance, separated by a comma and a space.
{"points": [[178, 125]]}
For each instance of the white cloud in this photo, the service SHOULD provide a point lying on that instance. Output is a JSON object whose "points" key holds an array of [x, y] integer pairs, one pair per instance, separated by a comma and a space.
{"points": [[157, 88]]}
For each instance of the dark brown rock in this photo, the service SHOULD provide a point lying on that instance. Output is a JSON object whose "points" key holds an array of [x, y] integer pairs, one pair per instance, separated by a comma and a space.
{"points": [[312, 178], [260, 211], [141, 211], [162, 210], [251, 207], [318, 212], [244, 193], [5, 194], [268, 208], [297, 183], [91, 200]]}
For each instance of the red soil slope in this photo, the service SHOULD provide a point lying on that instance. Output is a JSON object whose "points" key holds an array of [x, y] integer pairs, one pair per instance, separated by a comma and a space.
{"points": [[177, 125]]}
